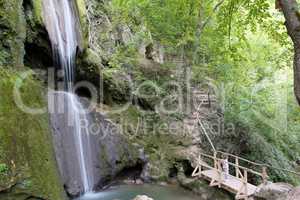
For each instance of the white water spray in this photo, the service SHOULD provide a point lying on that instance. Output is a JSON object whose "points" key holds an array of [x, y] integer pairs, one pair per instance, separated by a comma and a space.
{"points": [[61, 23]]}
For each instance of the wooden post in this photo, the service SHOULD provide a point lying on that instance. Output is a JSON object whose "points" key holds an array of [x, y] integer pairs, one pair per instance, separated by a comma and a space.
{"points": [[246, 181], [218, 168], [215, 160], [208, 96], [237, 167], [264, 175], [219, 174], [200, 166], [198, 169]]}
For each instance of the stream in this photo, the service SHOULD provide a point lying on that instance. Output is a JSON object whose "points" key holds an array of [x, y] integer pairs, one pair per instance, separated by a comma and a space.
{"points": [[129, 192]]}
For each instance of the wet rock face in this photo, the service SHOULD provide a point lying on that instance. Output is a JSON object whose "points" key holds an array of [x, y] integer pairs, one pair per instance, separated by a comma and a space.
{"points": [[106, 151]]}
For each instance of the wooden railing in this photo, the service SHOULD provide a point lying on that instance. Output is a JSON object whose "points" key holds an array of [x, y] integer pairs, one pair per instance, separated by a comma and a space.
{"points": [[261, 169], [241, 173], [238, 168], [214, 162]]}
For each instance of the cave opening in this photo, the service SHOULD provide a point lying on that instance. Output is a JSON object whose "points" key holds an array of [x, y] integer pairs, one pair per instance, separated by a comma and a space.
{"points": [[187, 168], [132, 172], [37, 57]]}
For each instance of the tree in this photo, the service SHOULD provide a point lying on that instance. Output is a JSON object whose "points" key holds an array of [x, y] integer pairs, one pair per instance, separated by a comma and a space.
{"points": [[292, 17]]}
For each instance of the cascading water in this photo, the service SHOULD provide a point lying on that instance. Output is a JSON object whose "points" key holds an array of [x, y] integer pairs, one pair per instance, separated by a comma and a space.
{"points": [[61, 21]]}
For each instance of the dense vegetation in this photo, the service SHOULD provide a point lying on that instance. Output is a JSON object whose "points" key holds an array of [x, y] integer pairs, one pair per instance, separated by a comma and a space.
{"points": [[243, 46], [240, 48]]}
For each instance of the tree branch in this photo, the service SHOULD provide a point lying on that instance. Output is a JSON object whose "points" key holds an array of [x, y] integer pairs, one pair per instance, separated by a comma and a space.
{"points": [[201, 26], [209, 17]]}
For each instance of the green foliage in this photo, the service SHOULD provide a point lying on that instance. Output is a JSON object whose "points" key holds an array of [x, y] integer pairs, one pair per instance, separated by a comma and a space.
{"points": [[170, 21], [253, 68], [243, 46], [124, 55], [3, 169]]}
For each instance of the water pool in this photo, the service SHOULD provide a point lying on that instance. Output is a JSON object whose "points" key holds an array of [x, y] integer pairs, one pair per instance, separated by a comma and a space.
{"points": [[129, 192]]}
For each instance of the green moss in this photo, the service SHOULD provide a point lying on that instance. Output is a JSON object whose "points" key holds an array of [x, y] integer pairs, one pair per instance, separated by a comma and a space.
{"points": [[38, 9], [81, 9], [116, 85], [81, 6], [13, 32], [90, 62], [26, 147]]}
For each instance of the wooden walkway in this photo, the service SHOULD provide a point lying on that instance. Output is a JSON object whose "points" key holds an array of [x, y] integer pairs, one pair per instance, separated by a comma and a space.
{"points": [[231, 183], [238, 183]]}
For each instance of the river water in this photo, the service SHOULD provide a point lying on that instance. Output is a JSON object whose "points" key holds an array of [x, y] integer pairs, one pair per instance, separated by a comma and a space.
{"points": [[129, 192]]}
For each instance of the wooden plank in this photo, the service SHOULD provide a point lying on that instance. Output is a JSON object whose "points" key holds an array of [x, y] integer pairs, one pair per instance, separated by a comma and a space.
{"points": [[232, 184]]}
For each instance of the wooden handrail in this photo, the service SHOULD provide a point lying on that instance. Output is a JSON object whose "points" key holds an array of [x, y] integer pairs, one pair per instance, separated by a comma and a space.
{"points": [[237, 166], [263, 174], [243, 159], [260, 164], [219, 177]]}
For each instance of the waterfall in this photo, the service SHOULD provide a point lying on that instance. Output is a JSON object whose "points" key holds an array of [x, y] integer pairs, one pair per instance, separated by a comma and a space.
{"points": [[61, 24], [61, 20]]}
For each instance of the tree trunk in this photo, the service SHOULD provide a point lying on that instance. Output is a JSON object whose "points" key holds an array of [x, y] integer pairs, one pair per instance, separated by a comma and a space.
{"points": [[292, 16], [297, 73]]}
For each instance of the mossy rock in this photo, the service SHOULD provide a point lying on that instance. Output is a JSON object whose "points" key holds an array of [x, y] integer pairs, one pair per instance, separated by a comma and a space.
{"points": [[117, 86], [82, 12], [202, 188], [13, 33], [159, 145], [38, 11], [89, 64], [26, 147]]}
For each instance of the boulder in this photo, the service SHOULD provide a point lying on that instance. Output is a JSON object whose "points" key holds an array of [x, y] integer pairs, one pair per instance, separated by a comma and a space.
{"points": [[294, 194], [146, 176], [142, 197], [274, 191]]}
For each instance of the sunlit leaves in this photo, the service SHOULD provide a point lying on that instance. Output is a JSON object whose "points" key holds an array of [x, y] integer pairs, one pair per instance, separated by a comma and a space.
{"points": [[169, 21]]}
